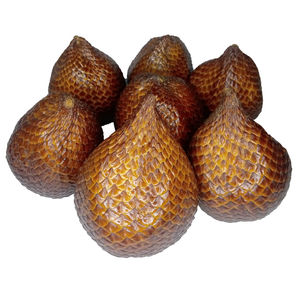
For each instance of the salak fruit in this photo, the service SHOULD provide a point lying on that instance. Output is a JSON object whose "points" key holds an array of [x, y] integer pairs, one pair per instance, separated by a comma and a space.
{"points": [[90, 75], [176, 102], [50, 143], [243, 173], [234, 70], [137, 191], [166, 55]]}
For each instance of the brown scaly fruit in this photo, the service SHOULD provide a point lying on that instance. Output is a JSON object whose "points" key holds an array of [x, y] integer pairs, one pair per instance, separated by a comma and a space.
{"points": [[166, 55], [50, 143], [243, 173], [233, 69], [176, 103], [90, 75], [137, 192]]}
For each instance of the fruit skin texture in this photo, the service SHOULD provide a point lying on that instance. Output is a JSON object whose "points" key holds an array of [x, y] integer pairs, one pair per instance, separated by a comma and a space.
{"points": [[233, 69], [243, 173], [50, 143], [166, 55], [176, 102], [90, 75], [137, 191]]}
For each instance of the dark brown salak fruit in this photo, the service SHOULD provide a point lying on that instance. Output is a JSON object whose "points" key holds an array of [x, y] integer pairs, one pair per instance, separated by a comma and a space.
{"points": [[166, 55], [89, 75], [50, 143], [137, 191], [243, 173], [233, 69], [176, 102]]}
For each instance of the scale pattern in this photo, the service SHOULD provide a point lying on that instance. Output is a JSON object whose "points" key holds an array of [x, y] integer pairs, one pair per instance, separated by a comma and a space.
{"points": [[89, 75], [166, 55], [243, 173], [233, 69], [176, 103], [50, 143], [137, 191]]}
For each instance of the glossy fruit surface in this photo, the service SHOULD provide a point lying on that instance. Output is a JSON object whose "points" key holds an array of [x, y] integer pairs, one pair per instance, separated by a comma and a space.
{"points": [[50, 143], [90, 75], [166, 55], [233, 69], [243, 173], [137, 191], [176, 102]]}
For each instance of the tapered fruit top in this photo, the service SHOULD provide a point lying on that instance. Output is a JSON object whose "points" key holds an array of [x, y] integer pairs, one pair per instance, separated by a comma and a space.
{"points": [[137, 191], [176, 103], [166, 55], [50, 143], [243, 173], [90, 75], [233, 69]]}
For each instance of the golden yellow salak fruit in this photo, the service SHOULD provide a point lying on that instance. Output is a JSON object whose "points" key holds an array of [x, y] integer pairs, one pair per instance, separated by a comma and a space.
{"points": [[137, 191], [243, 173]]}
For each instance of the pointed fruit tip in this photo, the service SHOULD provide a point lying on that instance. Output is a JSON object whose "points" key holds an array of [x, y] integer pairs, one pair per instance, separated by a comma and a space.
{"points": [[234, 48], [230, 97], [69, 102], [148, 102], [77, 37], [78, 40], [147, 109]]}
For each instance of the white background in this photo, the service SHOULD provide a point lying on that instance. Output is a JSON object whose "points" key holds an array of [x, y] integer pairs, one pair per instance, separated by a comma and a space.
{"points": [[41, 240]]}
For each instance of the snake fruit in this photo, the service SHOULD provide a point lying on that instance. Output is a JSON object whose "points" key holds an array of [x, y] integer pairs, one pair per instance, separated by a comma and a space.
{"points": [[176, 102], [137, 192], [166, 55], [50, 143], [89, 75], [242, 172], [234, 70]]}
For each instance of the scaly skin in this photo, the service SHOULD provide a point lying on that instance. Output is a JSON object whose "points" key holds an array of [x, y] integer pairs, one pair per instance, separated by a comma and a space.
{"points": [[233, 69], [243, 173], [137, 191], [50, 143], [176, 103], [89, 75], [166, 55]]}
